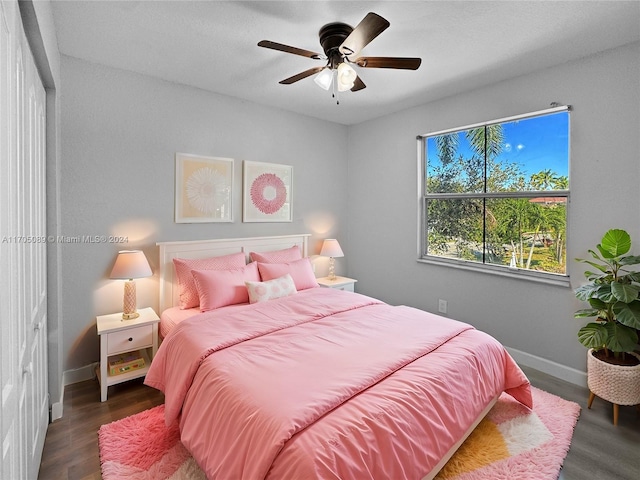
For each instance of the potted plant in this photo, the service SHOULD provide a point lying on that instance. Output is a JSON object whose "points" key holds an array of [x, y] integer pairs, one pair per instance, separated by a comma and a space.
{"points": [[613, 368]]}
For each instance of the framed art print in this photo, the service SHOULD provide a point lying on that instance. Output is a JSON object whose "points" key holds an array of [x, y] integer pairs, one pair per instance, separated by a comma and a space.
{"points": [[204, 189], [267, 192]]}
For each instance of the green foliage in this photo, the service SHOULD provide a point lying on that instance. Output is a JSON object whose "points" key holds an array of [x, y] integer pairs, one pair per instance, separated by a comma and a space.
{"points": [[613, 294], [468, 228]]}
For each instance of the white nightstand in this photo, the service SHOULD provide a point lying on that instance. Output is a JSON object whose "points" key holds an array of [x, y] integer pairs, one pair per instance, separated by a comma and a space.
{"points": [[118, 336], [340, 283]]}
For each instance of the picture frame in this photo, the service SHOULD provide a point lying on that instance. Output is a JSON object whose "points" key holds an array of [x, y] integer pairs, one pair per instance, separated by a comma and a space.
{"points": [[203, 189], [267, 192]]}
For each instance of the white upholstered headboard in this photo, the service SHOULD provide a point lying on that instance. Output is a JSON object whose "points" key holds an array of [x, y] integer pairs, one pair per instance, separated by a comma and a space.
{"points": [[214, 248]]}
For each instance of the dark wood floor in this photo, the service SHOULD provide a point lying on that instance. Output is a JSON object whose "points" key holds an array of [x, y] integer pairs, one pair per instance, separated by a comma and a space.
{"points": [[598, 451], [71, 446]]}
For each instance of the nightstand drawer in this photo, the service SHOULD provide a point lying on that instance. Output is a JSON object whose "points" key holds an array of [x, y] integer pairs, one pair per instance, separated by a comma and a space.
{"points": [[347, 288], [130, 339]]}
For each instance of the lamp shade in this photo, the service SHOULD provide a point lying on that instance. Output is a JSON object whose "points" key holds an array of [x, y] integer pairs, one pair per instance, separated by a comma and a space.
{"points": [[131, 264], [324, 78], [346, 77], [331, 248]]}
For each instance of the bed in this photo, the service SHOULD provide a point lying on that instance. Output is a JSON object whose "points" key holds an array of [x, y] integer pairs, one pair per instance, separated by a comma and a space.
{"points": [[322, 383]]}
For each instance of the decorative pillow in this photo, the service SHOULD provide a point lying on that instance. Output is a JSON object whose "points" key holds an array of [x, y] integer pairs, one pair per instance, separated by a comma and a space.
{"points": [[300, 270], [219, 288], [188, 292], [277, 256], [276, 288]]}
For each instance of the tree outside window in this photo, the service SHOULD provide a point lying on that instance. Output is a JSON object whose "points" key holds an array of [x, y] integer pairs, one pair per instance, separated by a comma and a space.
{"points": [[497, 193]]}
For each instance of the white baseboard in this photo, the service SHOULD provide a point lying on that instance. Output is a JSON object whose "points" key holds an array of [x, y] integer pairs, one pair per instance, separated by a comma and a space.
{"points": [[79, 374], [57, 408], [568, 374], [69, 377]]}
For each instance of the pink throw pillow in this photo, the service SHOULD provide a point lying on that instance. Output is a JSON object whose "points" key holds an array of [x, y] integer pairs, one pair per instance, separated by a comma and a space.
{"points": [[188, 293], [219, 288], [276, 288], [277, 256], [300, 270]]}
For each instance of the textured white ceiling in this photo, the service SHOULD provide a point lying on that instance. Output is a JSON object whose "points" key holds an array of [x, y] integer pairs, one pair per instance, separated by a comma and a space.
{"points": [[463, 45]]}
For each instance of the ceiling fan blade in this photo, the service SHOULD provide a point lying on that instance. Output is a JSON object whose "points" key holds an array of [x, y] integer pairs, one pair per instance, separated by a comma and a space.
{"points": [[369, 28], [358, 85], [300, 76], [405, 63], [287, 49]]}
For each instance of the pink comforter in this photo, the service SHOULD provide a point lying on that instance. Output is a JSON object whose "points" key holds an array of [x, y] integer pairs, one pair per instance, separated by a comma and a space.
{"points": [[327, 384]]}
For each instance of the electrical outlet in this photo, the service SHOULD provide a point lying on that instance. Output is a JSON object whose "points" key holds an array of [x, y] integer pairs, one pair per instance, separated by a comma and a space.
{"points": [[442, 306]]}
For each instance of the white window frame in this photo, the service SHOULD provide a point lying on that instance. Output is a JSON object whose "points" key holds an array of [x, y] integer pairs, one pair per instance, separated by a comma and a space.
{"points": [[500, 270]]}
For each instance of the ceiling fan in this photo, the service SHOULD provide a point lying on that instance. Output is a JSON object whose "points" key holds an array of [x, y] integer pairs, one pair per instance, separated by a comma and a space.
{"points": [[341, 44]]}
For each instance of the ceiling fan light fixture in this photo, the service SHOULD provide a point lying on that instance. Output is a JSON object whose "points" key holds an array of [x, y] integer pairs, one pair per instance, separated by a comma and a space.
{"points": [[346, 77], [324, 78], [342, 44]]}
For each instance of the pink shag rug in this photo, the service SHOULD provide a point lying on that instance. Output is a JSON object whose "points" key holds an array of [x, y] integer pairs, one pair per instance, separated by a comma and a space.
{"points": [[511, 443]]}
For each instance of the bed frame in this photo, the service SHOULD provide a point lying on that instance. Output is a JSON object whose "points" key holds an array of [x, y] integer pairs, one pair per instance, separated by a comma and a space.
{"points": [[169, 295]]}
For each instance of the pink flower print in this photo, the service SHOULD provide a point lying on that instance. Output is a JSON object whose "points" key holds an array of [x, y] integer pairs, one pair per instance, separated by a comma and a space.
{"points": [[268, 193]]}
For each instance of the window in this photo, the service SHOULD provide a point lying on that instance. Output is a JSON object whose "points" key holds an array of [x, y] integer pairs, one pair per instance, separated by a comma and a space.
{"points": [[494, 195]]}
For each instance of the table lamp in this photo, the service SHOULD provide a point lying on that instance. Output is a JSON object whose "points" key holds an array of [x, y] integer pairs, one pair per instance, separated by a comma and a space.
{"points": [[130, 264], [331, 248]]}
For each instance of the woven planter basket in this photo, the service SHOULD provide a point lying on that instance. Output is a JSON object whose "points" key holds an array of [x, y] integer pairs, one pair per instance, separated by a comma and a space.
{"points": [[615, 383]]}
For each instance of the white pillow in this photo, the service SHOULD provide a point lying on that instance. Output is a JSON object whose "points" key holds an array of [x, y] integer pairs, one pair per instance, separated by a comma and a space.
{"points": [[276, 288]]}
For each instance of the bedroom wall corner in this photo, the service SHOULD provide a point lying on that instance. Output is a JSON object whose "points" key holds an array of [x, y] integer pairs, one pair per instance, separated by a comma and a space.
{"points": [[120, 133], [535, 319]]}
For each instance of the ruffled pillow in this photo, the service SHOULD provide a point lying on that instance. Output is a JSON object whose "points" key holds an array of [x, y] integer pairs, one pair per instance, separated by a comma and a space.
{"points": [[219, 288], [276, 288], [301, 271], [188, 293], [277, 256]]}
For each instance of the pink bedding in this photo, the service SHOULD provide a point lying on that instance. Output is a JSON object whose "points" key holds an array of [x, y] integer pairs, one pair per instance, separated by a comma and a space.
{"points": [[171, 317], [327, 384]]}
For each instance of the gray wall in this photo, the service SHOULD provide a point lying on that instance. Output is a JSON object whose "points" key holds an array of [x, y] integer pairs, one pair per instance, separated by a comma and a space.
{"points": [[120, 132], [604, 91]]}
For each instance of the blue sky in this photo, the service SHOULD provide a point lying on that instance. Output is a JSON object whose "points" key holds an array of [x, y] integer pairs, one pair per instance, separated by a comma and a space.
{"points": [[536, 144]]}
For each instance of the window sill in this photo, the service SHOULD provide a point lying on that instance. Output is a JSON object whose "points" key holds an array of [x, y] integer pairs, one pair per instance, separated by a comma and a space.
{"points": [[517, 273]]}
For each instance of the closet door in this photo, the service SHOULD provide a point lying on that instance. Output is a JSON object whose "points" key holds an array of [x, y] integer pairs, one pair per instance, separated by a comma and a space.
{"points": [[34, 404], [9, 374], [23, 300]]}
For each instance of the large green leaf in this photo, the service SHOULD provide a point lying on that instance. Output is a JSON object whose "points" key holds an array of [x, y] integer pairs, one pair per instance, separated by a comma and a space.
{"points": [[585, 292], [593, 335], [624, 292], [602, 268], [615, 243], [603, 292], [620, 338], [628, 313], [594, 255], [630, 260], [586, 312], [598, 305]]}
